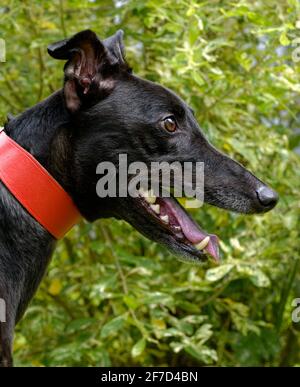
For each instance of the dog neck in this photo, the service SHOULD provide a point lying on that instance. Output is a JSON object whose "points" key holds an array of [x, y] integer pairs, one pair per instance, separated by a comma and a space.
{"points": [[26, 246], [43, 131]]}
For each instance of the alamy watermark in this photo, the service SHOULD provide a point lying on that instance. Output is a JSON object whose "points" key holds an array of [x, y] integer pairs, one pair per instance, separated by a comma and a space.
{"points": [[157, 179], [296, 311], [2, 311]]}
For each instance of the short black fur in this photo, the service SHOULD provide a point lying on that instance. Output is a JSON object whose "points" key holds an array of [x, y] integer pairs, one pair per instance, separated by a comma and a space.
{"points": [[104, 110]]}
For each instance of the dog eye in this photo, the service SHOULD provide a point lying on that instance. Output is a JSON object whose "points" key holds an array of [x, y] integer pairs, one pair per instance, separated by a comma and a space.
{"points": [[169, 124]]}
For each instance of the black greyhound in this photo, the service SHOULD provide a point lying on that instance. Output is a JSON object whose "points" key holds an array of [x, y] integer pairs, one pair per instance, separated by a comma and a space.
{"points": [[104, 110]]}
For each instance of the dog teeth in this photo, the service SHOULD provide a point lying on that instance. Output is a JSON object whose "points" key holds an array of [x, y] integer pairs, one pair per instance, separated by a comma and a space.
{"points": [[165, 218], [148, 196], [150, 199], [177, 228], [155, 208], [203, 243]]}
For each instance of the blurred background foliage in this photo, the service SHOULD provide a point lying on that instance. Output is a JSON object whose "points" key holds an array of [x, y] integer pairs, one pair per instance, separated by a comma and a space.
{"points": [[110, 297]]}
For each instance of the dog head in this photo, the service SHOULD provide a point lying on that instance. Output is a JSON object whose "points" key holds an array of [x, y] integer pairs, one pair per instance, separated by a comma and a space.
{"points": [[115, 112]]}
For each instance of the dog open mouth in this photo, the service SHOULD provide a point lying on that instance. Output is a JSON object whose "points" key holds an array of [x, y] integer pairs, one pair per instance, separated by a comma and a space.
{"points": [[174, 219]]}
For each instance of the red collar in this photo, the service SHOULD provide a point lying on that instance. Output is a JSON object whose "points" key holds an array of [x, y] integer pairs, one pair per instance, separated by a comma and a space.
{"points": [[36, 189]]}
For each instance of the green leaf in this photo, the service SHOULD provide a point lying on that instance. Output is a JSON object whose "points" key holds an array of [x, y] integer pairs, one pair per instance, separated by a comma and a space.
{"points": [[80, 324], [208, 356], [198, 79], [283, 39], [218, 273], [112, 327], [138, 348], [260, 279], [256, 276], [131, 302], [159, 298]]}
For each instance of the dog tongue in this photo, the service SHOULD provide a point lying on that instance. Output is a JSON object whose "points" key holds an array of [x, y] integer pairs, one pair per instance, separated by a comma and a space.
{"points": [[191, 230], [195, 235]]}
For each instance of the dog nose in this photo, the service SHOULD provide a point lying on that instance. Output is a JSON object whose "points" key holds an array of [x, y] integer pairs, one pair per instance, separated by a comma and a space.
{"points": [[267, 197]]}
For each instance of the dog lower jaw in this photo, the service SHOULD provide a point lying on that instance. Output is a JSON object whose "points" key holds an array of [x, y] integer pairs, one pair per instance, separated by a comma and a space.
{"points": [[188, 239]]}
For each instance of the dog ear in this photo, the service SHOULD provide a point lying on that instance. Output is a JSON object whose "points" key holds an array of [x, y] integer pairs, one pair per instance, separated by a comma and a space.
{"points": [[91, 66], [115, 45]]}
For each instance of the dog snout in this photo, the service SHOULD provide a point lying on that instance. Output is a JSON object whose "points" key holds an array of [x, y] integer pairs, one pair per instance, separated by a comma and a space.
{"points": [[267, 197]]}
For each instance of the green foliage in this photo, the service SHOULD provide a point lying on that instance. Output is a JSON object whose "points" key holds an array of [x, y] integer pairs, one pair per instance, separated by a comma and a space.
{"points": [[110, 297]]}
